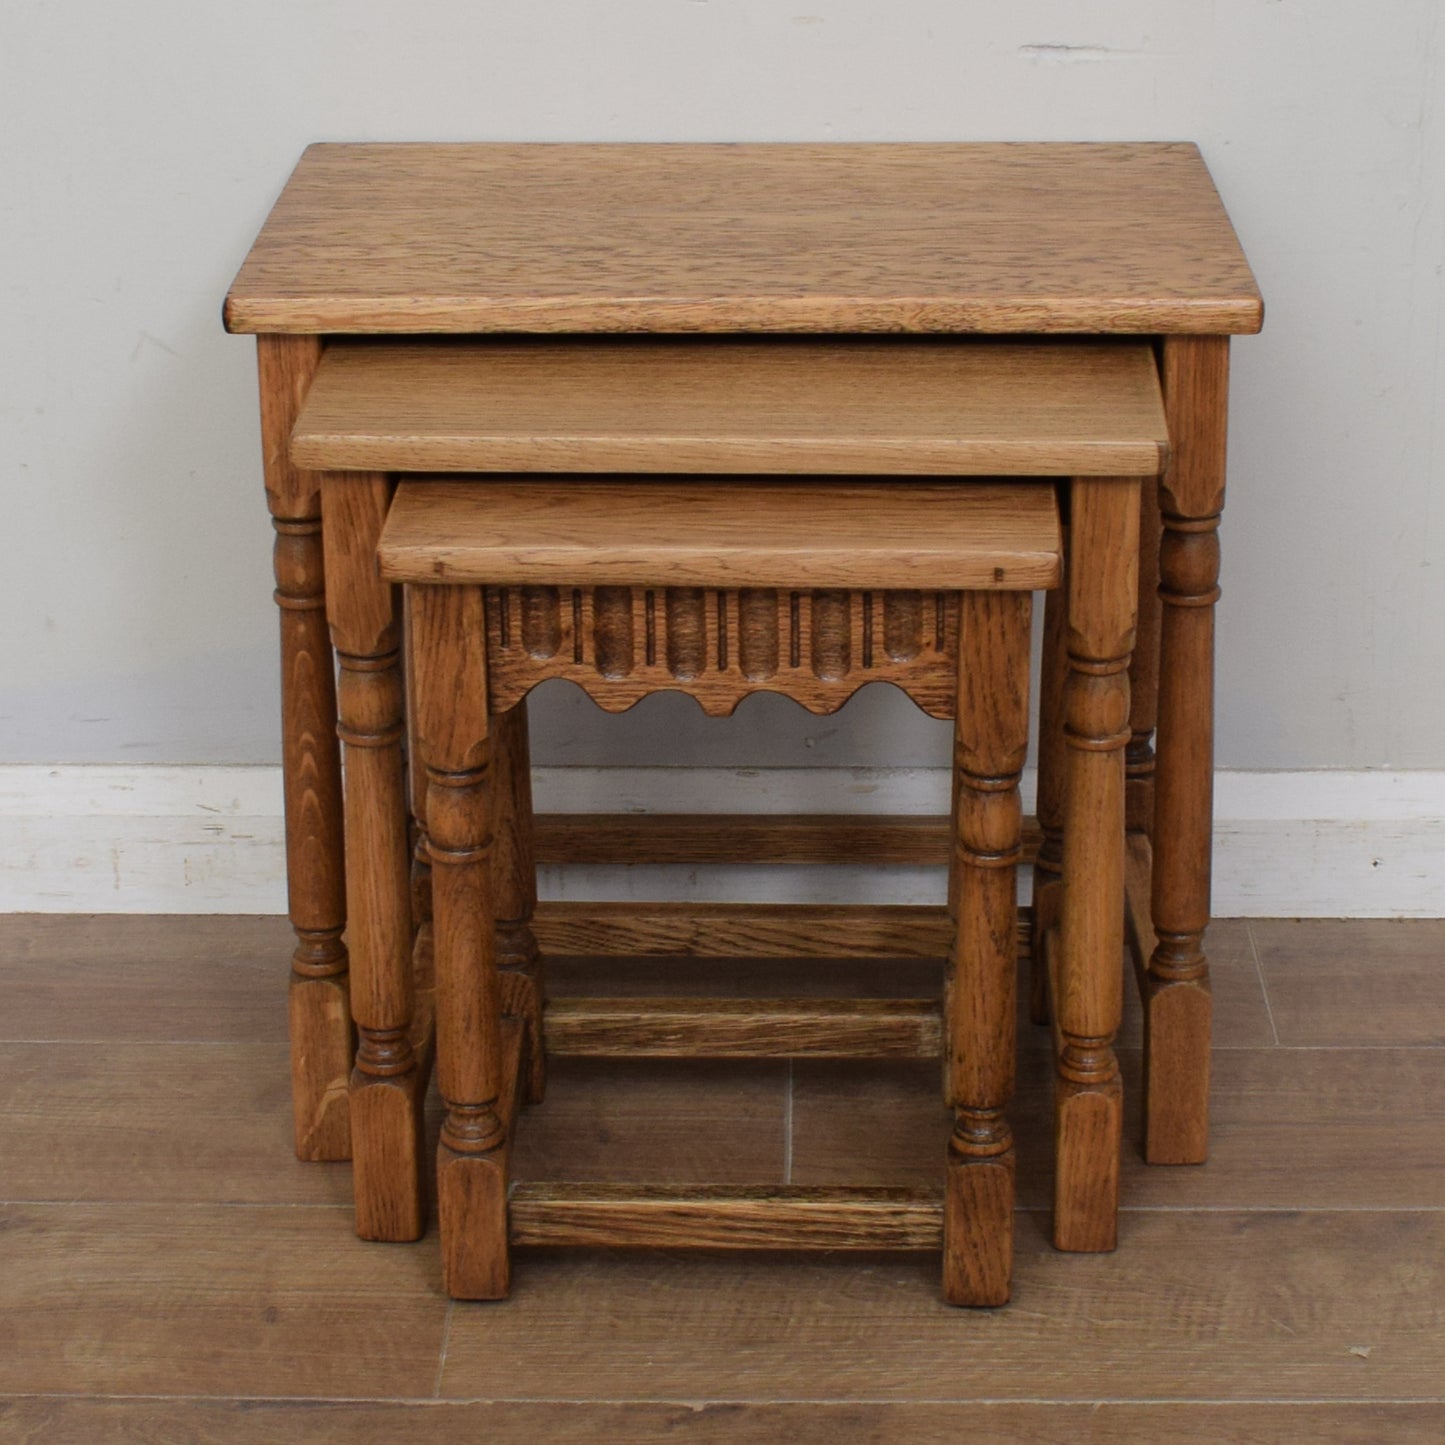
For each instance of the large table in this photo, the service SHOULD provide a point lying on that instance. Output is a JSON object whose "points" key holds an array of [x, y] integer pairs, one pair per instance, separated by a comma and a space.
{"points": [[391, 240]]}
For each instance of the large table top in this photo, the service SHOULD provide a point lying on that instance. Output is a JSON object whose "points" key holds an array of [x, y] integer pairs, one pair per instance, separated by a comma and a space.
{"points": [[397, 238]]}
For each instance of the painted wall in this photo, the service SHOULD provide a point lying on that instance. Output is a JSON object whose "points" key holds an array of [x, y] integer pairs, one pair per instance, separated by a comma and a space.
{"points": [[142, 145]]}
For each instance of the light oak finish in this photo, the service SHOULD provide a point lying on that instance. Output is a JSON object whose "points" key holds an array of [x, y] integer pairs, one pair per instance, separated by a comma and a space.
{"points": [[818, 647], [1144, 672], [1196, 391], [620, 641], [756, 837], [1053, 759], [744, 930], [1043, 239], [685, 533], [319, 998], [515, 879], [465, 636], [744, 1028], [715, 1217], [1086, 990], [990, 743], [386, 1084], [800, 406], [454, 731], [718, 238]]}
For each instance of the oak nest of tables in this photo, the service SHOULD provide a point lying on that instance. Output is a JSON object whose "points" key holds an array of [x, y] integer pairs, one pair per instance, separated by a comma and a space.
{"points": [[794, 316]]}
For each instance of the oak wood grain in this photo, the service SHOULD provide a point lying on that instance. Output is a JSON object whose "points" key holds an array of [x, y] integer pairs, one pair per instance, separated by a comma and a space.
{"points": [[505, 237], [717, 534], [386, 1086], [729, 930], [318, 1002], [622, 644], [719, 1217], [796, 406], [1086, 985], [690, 838], [644, 976], [990, 742], [1179, 1008], [476, 1047], [740, 1028], [1177, 1031]]}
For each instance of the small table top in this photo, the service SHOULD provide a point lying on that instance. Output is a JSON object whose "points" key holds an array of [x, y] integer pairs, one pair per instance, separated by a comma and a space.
{"points": [[692, 532], [409, 238]]}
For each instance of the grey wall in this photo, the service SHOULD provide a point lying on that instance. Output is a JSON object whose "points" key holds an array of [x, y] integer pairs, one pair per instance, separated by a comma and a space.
{"points": [[143, 144]]}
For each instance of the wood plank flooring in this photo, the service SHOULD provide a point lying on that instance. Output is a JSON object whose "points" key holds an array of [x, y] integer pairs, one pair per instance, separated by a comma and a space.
{"points": [[169, 1272]]}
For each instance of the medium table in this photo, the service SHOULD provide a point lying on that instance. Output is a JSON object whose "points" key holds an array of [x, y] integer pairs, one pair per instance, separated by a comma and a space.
{"points": [[387, 240]]}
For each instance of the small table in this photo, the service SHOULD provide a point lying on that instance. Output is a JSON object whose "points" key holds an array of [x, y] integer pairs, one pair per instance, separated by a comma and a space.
{"points": [[956, 239]]}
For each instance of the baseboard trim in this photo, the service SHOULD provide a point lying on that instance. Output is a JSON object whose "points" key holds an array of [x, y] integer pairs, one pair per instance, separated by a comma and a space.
{"points": [[210, 839]]}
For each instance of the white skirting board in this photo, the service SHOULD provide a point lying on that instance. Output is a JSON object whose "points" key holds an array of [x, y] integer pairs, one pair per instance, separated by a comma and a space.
{"points": [[209, 839]]}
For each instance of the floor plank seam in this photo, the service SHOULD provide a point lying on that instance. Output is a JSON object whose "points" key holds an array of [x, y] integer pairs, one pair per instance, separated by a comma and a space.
{"points": [[1271, 1209], [127, 1042], [442, 1356], [710, 1402], [1330, 1048], [1259, 973], [1039, 1209], [164, 1203]]}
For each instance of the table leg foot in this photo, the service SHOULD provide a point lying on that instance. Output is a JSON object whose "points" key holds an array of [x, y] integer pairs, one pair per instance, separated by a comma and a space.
{"points": [[1089, 1128], [321, 1049], [472, 1204], [1176, 1071], [978, 1227], [386, 1118]]}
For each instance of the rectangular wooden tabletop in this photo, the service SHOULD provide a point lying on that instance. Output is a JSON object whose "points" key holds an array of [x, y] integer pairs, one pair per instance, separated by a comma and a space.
{"points": [[894, 405], [692, 533], [1051, 237]]}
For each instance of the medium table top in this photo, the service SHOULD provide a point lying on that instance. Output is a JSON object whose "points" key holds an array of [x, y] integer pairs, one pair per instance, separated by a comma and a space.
{"points": [[872, 406], [398, 238]]}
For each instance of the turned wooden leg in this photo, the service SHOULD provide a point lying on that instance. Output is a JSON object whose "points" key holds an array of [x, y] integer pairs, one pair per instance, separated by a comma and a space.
{"points": [[1178, 1004], [518, 958], [385, 1083], [1053, 751], [448, 640], [990, 742], [318, 1004], [1144, 672], [415, 787], [1088, 997]]}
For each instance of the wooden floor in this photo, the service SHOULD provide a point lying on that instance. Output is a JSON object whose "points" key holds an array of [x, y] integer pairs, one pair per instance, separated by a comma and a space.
{"points": [[169, 1272]]}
